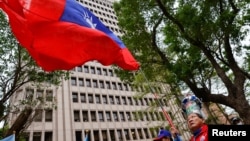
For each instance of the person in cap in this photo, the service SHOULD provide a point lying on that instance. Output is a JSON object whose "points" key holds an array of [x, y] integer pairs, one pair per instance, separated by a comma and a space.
{"points": [[236, 121], [165, 135], [196, 122]]}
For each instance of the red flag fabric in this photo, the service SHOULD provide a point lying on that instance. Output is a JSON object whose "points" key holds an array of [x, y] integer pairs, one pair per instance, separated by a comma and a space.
{"points": [[62, 34]]}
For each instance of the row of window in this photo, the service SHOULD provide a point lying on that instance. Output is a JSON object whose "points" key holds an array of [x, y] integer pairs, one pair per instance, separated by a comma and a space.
{"points": [[117, 135], [110, 99], [97, 135], [110, 116], [94, 83], [94, 70]]}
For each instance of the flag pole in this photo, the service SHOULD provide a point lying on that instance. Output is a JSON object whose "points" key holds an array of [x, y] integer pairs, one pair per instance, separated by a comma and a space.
{"points": [[159, 102]]}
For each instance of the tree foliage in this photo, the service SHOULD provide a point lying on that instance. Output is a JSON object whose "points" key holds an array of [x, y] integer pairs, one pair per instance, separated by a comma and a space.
{"points": [[17, 68], [201, 45]]}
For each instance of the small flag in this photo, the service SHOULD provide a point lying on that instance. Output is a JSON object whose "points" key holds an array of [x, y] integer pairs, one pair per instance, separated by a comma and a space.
{"points": [[9, 138], [63, 34]]}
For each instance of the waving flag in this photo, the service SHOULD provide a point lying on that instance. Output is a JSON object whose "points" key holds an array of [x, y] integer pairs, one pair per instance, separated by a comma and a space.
{"points": [[9, 138], [62, 34]]}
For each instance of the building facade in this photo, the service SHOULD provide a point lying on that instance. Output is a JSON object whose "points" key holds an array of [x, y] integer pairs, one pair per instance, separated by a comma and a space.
{"points": [[95, 103]]}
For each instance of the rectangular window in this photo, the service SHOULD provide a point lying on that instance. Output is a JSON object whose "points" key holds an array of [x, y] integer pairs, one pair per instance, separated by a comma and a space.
{"points": [[83, 97], [108, 85], [115, 116], [100, 115], [78, 135], [93, 116], [114, 86], [73, 81], [111, 100], [99, 72], [111, 73], [124, 102], [37, 136], [49, 95], [88, 83], [126, 134], [90, 97], [105, 72], [120, 86], [77, 116], [48, 136], [81, 82], [74, 97], [85, 117], [86, 69], [39, 94], [119, 134], [96, 135], [97, 99], [92, 70], [108, 116], [117, 98], [104, 135], [128, 116], [122, 116], [105, 99], [38, 115], [48, 115], [101, 84], [95, 84]]}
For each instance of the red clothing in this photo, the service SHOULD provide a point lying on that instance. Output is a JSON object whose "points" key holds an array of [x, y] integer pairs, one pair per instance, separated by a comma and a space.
{"points": [[201, 134]]}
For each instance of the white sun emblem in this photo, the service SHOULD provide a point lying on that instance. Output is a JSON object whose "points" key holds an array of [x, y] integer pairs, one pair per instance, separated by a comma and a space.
{"points": [[89, 20]]}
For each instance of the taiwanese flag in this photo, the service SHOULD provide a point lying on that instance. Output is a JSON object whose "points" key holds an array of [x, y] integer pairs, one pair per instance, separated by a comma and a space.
{"points": [[62, 34]]}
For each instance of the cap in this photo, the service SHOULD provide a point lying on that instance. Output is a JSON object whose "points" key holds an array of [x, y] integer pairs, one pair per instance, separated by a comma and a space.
{"points": [[192, 104], [162, 134]]}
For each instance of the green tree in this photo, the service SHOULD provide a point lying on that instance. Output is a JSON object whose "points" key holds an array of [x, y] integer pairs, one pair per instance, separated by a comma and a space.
{"points": [[192, 44], [17, 68]]}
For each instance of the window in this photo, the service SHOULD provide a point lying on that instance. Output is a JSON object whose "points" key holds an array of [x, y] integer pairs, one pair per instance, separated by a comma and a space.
{"points": [[104, 135], [117, 98], [108, 85], [108, 116], [115, 116], [100, 115], [105, 100], [73, 81], [119, 86], [29, 94], [124, 102], [92, 70], [48, 115], [38, 115], [83, 97], [112, 135], [99, 72], [37, 136], [95, 84], [130, 101], [122, 116], [97, 99], [101, 84], [96, 135], [74, 97], [126, 134], [140, 133], [105, 72], [49, 95], [80, 81], [114, 86], [93, 116], [111, 100], [48, 136], [88, 82], [78, 135], [76, 116], [111, 73], [128, 116], [86, 69], [39, 94], [90, 97], [119, 134], [85, 117], [126, 87], [146, 133]]}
